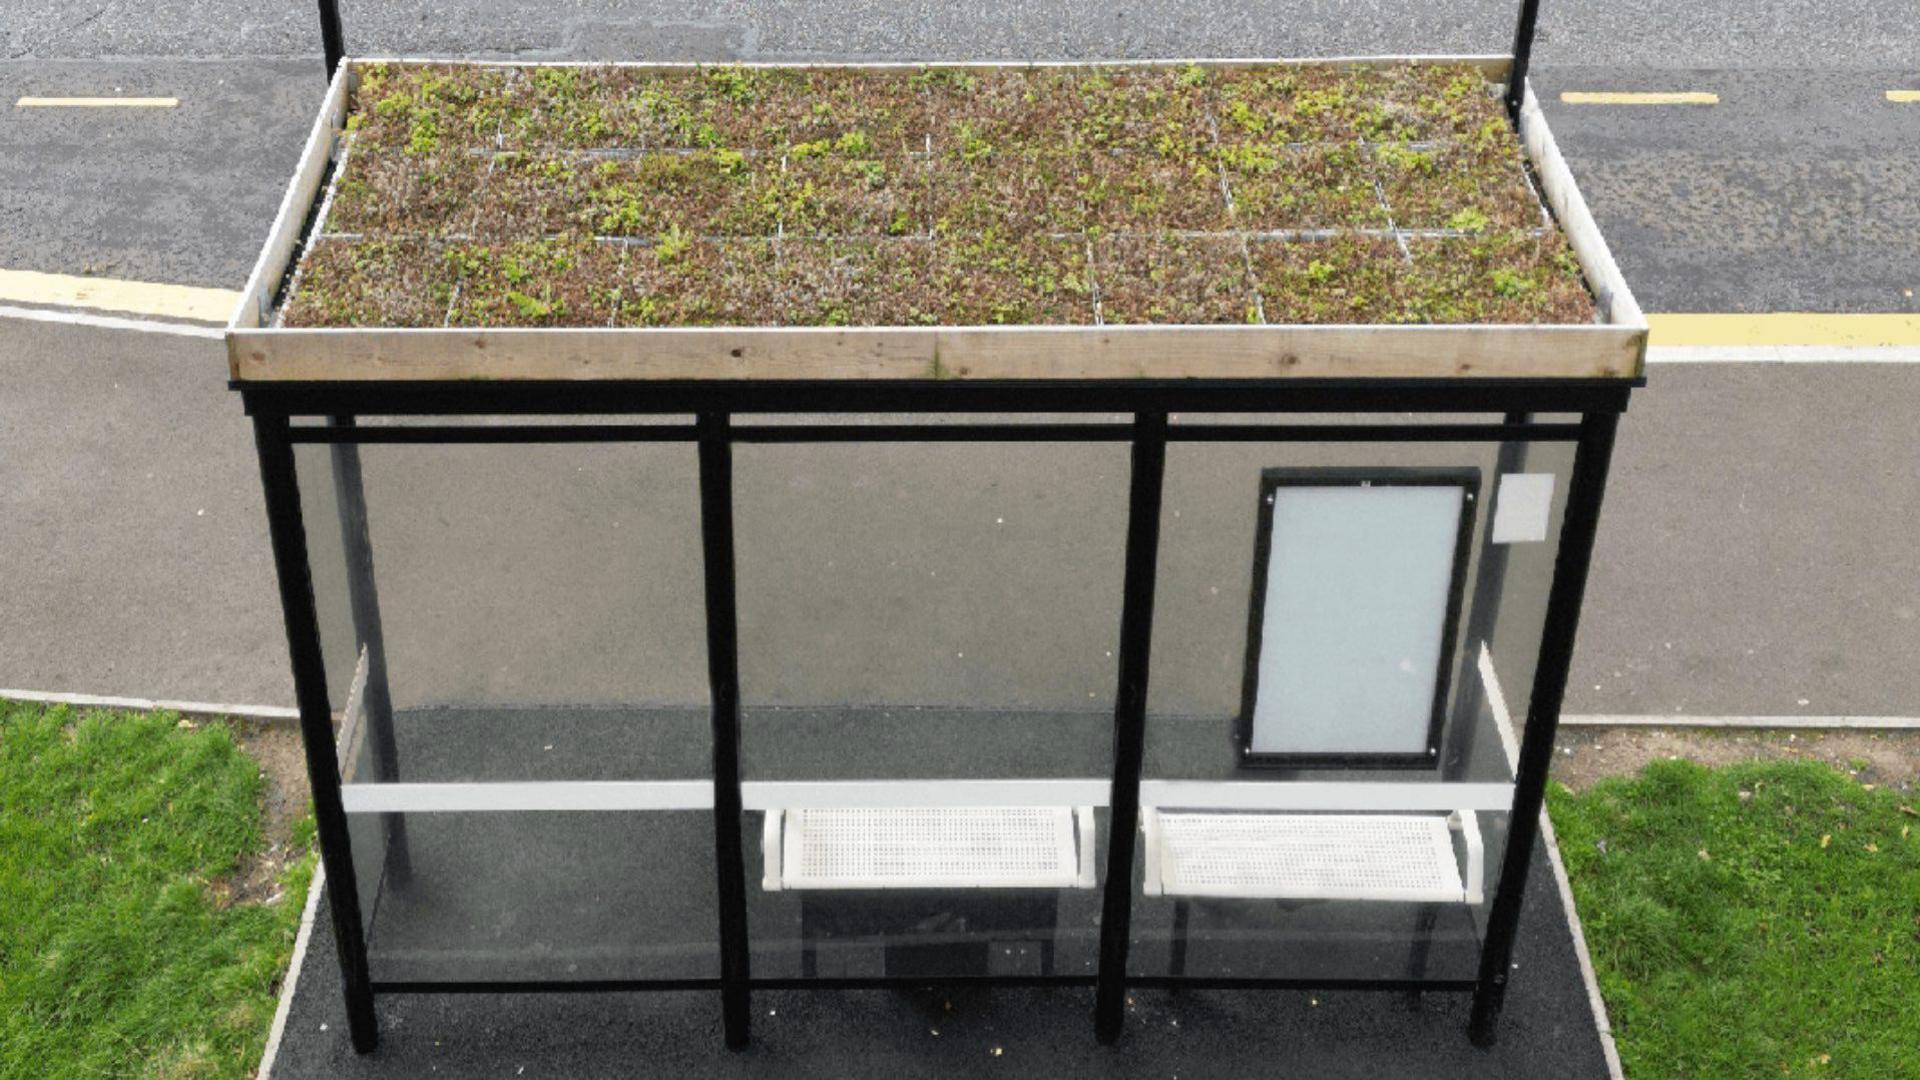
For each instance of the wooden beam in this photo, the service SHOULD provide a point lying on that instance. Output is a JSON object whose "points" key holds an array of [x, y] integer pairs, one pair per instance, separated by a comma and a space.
{"points": [[283, 237], [1617, 303], [886, 353], [1493, 66]]}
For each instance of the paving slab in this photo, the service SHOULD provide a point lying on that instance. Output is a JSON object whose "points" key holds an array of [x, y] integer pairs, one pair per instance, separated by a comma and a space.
{"points": [[132, 531], [1756, 552]]}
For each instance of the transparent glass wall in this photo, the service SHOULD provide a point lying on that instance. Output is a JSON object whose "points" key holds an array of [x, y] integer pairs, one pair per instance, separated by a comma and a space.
{"points": [[543, 624], [920, 624], [1298, 820]]}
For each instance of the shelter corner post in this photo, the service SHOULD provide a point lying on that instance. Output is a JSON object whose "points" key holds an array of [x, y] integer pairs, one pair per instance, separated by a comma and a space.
{"points": [[1523, 35], [287, 533], [332, 38], [1571, 564]]}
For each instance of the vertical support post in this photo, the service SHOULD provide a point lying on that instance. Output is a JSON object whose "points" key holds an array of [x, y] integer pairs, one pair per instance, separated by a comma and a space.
{"points": [[1577, 534], [1522, 57], [1130, 718], [356, 544], [288, 535], [332, 40], [723, 674]]}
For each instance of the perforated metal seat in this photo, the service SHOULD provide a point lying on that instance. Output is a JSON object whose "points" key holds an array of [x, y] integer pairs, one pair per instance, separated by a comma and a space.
{"points": [[963, 847], [1401, 857]]}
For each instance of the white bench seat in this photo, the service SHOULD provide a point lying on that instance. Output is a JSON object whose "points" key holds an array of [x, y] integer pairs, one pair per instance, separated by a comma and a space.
{"points": [[943, 847], [1392, 857]]}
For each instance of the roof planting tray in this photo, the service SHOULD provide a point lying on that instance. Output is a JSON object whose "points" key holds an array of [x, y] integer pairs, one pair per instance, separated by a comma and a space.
{"points": [[1213, 220]]}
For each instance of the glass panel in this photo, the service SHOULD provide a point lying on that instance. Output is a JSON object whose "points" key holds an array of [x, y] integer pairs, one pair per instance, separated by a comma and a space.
{"points": [[544, 896], [918, 620], [540, 621], [1329, 868], [541, 608]]}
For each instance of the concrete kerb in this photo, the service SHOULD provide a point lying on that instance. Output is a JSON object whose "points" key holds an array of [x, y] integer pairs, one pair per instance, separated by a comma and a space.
{"points": [[292, 978]]}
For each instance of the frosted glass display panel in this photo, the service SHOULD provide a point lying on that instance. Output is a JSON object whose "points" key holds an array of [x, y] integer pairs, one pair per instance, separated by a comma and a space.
{"points": [[1357, 584]]}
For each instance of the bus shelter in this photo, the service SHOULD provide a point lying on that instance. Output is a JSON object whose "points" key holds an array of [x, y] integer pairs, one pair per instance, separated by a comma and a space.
{"points": [[741, 657]]}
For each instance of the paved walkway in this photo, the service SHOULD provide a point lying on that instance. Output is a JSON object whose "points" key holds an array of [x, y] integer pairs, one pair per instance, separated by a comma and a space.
{"points": [[1546, 1030]]}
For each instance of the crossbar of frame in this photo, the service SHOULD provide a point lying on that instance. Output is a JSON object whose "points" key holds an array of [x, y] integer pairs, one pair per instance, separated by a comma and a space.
{"points": [[730, 797], [632, 397], [574, 796], [888, 982], [435, 434]]}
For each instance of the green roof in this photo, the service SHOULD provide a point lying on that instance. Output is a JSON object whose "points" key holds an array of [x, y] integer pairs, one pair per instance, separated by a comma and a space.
{"points": [[496, 195]]}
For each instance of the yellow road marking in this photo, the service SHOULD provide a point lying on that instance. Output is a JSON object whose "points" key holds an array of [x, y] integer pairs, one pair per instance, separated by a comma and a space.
{"points": [[110, 294], [1784, 329], [1689, 97], [1904, 97], [96, 103]]}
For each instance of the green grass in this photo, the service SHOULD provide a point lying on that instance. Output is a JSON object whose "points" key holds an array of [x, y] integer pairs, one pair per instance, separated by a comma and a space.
{"points": [[1754, 920], [115, 959]]}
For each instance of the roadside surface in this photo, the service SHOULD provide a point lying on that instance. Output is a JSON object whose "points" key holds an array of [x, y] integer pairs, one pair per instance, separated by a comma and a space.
{"points": [[1754, 556], [1889, 759], [1724, 33], [181, 195], [131, 525], [1797, 192]]}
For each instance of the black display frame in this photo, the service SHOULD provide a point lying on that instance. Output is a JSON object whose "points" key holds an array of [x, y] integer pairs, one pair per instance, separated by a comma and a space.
{"points": [[1271, 481]]}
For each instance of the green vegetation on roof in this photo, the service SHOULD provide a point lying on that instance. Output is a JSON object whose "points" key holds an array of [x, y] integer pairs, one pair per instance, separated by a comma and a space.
{"points": [[478, 195]]}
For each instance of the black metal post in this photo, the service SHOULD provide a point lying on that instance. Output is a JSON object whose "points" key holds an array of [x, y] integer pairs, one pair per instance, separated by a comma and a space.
{"points": [[356, 546], [288, 535], [1577, 532], [1522, 57], [723, 674], [1130, 719], [332, 40]]}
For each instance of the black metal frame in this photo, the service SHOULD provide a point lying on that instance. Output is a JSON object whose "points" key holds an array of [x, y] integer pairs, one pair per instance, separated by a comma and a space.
{"points": [[1271, 480], [343, 409]]}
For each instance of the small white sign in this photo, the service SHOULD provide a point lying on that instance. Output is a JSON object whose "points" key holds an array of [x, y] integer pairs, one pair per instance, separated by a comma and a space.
{"points": [[1523, 508]]}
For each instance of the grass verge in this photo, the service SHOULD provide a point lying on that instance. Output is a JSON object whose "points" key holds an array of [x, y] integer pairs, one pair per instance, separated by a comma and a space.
{"points": [[1756, 919], [121, 950]]}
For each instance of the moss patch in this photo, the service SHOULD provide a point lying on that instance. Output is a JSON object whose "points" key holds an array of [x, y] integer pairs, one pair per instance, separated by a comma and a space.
{"points": [[1148, 279], [558, 281], [371, 283], [1346, 278], [388, 193], [542, 195]]}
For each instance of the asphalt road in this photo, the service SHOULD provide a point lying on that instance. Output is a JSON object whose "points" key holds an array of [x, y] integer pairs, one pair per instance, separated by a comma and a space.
{"points": [[1794, 193], [1784, 34]]}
